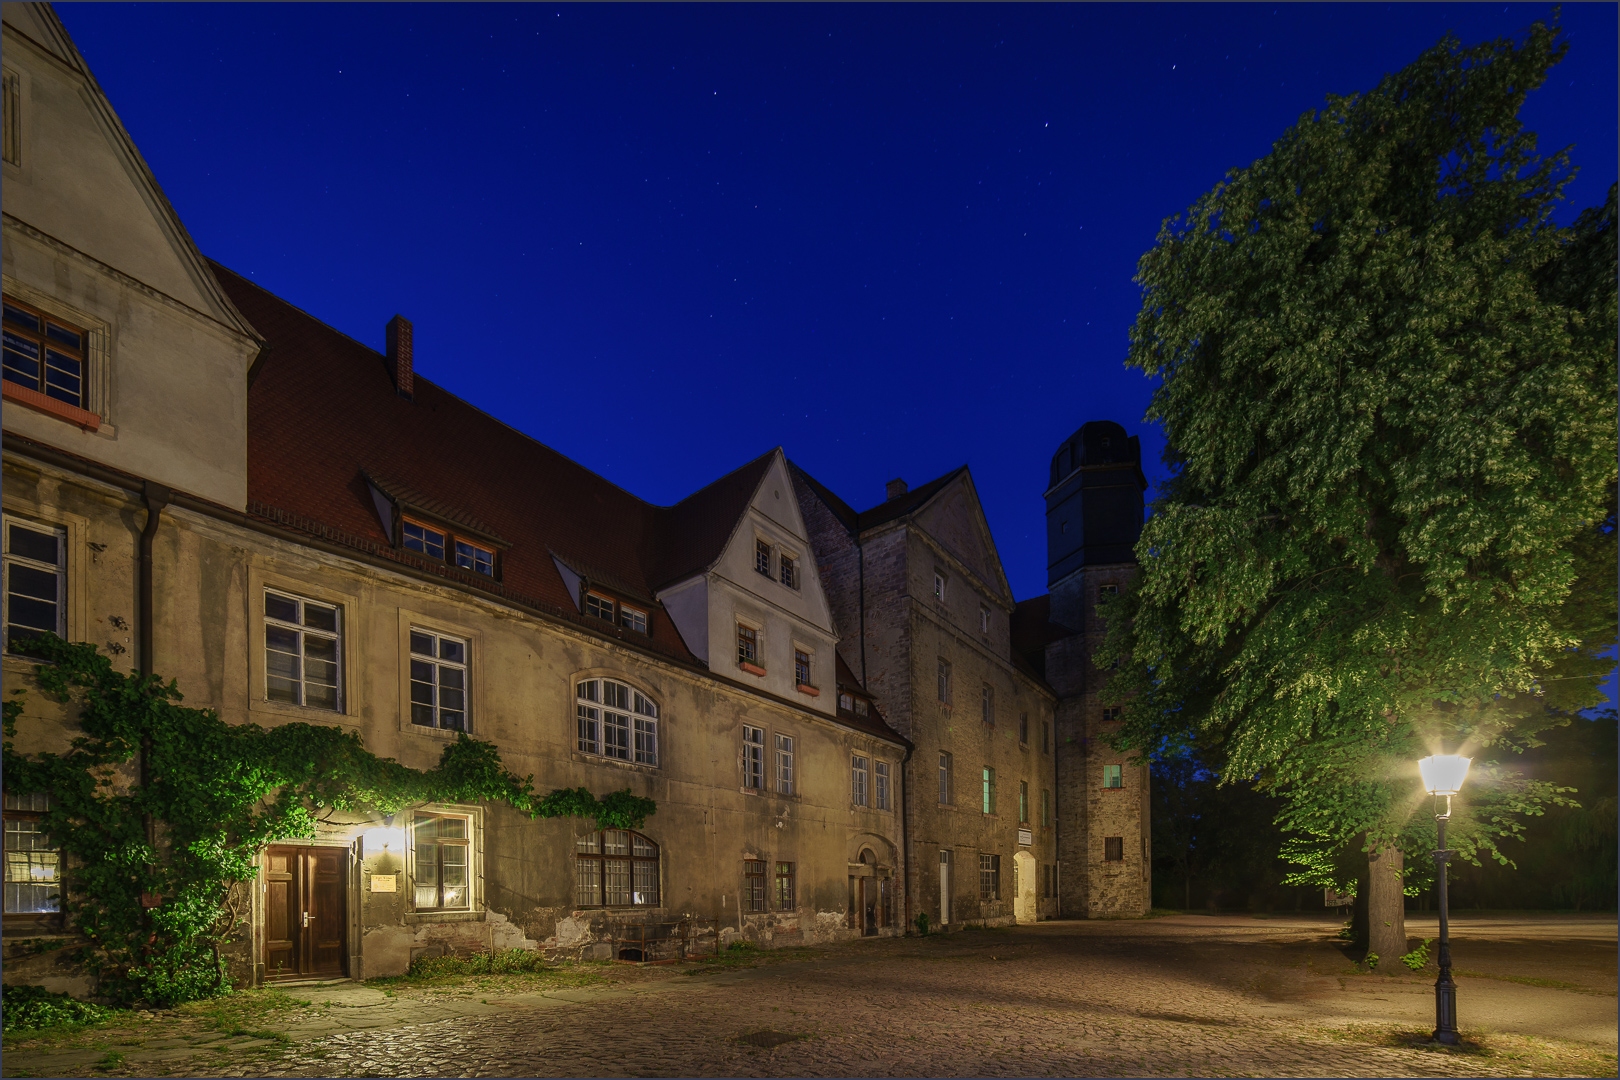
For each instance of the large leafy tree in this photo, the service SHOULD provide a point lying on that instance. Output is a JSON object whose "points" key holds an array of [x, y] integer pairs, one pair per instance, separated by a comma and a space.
{"points": [[1387, 381]]}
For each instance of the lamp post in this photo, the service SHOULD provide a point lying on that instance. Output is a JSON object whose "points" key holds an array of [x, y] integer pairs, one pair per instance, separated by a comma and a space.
{"points": [[1443, 775]]}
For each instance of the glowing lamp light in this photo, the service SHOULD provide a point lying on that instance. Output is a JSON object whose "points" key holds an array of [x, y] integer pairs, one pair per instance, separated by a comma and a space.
{"points": [[384, 840], [1443, 774]]}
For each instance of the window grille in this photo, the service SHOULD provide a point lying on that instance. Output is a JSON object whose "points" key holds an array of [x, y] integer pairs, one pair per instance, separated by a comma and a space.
{"points": [[303, 651], [753, 885], [419, 537], [790, 571], [989, 877], [762, 557], [753, 758], [857, 780], [987, 703], [35, 582], [784, 764], [801, 668], [784, 887], [43, 354], [747, 645], [616, 721], [1113, 776], [438, 680], [943, 672], [615, 868], [945, 763], [442, 852], [33, 881], [1113, 849], [988, 780], [881, 775]]}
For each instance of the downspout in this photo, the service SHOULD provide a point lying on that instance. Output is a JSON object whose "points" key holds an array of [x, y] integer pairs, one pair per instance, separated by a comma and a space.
{"points": [[905, 843], [156, 497], [860, 550]]}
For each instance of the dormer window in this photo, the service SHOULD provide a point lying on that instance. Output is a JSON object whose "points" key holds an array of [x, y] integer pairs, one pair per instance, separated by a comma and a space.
{"points": [[600, 607], [790, 571], [861, 708], [436, 543], [846, 702], [631, 619], [762, 557]]}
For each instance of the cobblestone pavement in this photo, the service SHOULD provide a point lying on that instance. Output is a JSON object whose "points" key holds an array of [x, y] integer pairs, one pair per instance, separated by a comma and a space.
{"points": [[1185, 995]]}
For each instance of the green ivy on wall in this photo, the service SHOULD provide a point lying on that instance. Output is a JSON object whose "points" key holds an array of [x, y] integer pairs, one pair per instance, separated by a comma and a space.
{"points": [[186, 837]]}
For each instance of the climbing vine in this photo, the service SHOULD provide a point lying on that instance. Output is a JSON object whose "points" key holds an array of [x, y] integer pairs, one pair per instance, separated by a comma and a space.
{"points": [[157, 867]]}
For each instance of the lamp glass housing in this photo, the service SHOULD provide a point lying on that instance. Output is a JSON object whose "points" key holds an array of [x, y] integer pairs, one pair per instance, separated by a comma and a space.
{"points": [[1443, 774]]}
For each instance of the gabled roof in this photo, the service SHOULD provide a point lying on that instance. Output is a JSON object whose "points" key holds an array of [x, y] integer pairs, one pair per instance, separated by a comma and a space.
{"points": [[872, 723], [859, 521], [325, 424]]}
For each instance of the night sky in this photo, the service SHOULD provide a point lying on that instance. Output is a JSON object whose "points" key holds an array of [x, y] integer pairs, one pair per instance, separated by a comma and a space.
{"points": [[665, 239]]}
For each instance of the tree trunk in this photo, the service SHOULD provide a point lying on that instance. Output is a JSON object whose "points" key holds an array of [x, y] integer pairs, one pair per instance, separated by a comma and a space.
{"points": [[1386, 907], [1358, 915]]}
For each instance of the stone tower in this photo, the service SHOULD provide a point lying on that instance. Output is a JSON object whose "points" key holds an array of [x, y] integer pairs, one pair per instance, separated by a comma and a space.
{"points": [[1094, 507]]}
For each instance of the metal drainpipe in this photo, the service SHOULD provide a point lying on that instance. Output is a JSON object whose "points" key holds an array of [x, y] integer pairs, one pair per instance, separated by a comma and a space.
{"points": [[157, 497], [905, 843]]}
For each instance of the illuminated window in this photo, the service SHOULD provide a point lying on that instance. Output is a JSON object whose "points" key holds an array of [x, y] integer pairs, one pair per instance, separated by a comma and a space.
{"points": [[33, 883], [988, 785], [1113, 776], [442, 862]]}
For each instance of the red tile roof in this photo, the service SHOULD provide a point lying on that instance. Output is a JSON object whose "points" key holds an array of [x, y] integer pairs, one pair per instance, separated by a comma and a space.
{"points": [[323, 417]]}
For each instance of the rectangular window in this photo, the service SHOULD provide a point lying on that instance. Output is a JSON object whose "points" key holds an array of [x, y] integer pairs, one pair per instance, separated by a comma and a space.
{"points": [[762, 557], [1113, 776], [984, 619], [943, 672], [1046, 737], [438, 680], [303, 651], [945, 778], [1023, 729], [1046, 808], [1112, 714], [939, 585], [989, 877], [784, 764], [443, 863], [1113, 849], [33, 884], [615, 868], [882, 776], [784, 887], [12, 95], [1106, 591], [599, 607], [747, 645], [753, 758], [861, 707], [35, 582], [631, 619], [987, 703], [1023, 802], [43, 354], [988, 784], [424, 538], [753, 885], [790, 571], [846, 702], [477, 559], [857, 780], [801, 668]]}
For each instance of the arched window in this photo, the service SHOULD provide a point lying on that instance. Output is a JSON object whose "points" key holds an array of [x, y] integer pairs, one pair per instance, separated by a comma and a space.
{"points": [[615, 868], [616, 721]]}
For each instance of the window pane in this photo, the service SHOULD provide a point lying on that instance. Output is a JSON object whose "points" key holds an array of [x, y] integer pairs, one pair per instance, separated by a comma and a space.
{"points": [[615, 695], [589, 729], [421, 714], [590, 690], [644, 848], [453, 828], [646, 883], [452, 650], [590, 844], [32, 544], [28, 616], [22, 318], [616, 736], [588, 882], [63, 335], [615, 842], [320, 617], [280, 607], [616, 882], [646, 741], [421, 644], [453, 887], [427, 872]]}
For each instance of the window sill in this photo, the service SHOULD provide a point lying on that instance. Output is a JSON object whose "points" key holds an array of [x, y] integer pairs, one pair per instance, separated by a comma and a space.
{"points": [[752, 669], [33, 399], [805, 688], [437, 732], [413, 917], [618, 763]]}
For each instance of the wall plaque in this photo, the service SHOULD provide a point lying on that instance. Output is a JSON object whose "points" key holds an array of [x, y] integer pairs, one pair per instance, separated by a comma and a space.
{"points": [[1026, 837], [384, 882]]}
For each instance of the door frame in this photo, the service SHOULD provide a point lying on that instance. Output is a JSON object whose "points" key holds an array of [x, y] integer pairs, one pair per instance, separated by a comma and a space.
{"points": [[351, 903]]}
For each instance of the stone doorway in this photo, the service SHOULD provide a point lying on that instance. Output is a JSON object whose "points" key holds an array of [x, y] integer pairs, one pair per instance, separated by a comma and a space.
{"points": [[1026, 909], [305, 912]]}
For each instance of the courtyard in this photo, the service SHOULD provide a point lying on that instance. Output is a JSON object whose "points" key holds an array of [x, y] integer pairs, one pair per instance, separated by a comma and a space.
{"points": [[1198, 995]]}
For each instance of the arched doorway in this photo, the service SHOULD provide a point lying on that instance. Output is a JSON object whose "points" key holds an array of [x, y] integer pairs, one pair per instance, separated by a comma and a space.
{"points": [[1025, 907]]}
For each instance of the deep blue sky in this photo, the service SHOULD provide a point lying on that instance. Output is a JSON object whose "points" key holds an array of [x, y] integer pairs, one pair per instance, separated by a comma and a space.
{"points": [[665, 239]]}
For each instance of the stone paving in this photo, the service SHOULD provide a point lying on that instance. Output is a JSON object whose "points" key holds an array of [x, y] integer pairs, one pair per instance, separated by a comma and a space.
{"points": [[1186, 995]]}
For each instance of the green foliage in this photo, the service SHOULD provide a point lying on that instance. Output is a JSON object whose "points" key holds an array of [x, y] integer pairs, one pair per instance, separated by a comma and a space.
{"points": [[214, 794], [500, 962], [1418, 958], [922, 923], [1371, 960], [34, 1008], [1387, 381]]}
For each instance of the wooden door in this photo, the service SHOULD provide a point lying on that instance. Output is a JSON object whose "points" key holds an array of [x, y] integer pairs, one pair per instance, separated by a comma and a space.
{"points": [[305, 912]]}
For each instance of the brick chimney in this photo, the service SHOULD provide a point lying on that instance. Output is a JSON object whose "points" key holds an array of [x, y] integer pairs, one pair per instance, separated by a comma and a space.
{"points": [[896, 488], [399, 355]]}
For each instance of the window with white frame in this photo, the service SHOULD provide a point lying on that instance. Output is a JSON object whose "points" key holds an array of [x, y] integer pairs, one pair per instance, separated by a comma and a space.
{"points": [[303, 651], [441, 846], [801, 668], [943, 678], [35, 582], [753, 757], [946, 769], [939, 585], [438, 680], [857, 780], [988, 781], [631, 619], [881, 776], [861, 707], [747, 645], [422, 538], [784, 765], [1113, 776], [762, 557], [601, 607], [615, 868], [846, 701], [436, 543], [984, 619], [33, 879], [617, 721], [789, 567]]}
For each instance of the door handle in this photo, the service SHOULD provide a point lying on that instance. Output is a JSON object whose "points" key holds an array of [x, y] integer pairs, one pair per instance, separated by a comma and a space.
{"points": [[305, 923]]}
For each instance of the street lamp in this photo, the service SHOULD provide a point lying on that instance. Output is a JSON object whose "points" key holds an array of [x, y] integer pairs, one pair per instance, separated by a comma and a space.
{"points": [[1443, 774]]}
